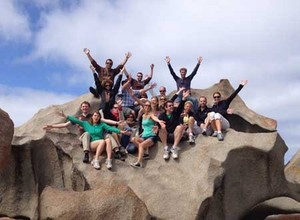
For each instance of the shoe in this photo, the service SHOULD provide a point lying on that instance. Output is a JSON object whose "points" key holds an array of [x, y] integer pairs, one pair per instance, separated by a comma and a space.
{"points": [[123, 151], [96, 164], [166, 155], [191, 139], [146, 157], [174, 152], [86, 158], [94, 92], [118, 156], [204, 132], [136, 165], [220, 136], [108, 164], [215, 134]]}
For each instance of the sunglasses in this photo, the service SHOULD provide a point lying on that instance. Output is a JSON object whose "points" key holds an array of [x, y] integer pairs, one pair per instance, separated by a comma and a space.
{"points": [[109, 63], [170, 106], [217, 97], [162, 90], [147, 105]]}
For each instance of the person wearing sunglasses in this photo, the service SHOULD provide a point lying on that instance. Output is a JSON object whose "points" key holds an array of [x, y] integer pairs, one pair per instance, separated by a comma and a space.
{"points": [[217, 118], [149, 136], [106, 72]]}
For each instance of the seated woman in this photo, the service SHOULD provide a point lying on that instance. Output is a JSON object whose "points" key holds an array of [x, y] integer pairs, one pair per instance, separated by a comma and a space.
{"points": [[96, 130], [148, 137], [187, 119], [217, 118]]}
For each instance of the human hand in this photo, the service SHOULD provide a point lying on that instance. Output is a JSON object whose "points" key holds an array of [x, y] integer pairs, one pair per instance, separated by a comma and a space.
{"points": [[152, 66], [128, 55], [244, 82], [167, 59], [47, 127], [199, 59], [153, 85], [230, 111], [86, 51]]}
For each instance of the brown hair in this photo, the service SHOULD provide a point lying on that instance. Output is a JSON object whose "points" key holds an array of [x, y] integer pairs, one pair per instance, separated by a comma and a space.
{"points": [[85, 102], [91, 119]]}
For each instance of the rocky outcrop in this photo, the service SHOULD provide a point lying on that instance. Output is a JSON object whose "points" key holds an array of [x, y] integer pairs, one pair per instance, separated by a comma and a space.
{"points": [[211, 180], [6, 136]]}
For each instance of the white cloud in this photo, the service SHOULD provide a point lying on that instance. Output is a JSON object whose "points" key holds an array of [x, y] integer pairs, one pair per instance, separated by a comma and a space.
{"points": [[22, 103], [14, 24]]}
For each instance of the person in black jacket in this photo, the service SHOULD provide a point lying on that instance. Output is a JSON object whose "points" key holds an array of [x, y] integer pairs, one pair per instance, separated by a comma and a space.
{"points": [[200, 117], [173, 130], [217, 118]]}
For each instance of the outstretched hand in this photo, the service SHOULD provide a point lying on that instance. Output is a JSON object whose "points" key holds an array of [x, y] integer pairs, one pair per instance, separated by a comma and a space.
{"points": [[152, 66], [167, 59], [47, 127], [199, 59], [186, 93], [244, 82], [128, 55], [86, 51]]}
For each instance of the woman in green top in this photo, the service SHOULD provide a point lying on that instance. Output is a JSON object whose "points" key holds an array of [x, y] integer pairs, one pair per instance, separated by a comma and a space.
{"points": [[96, 130]]}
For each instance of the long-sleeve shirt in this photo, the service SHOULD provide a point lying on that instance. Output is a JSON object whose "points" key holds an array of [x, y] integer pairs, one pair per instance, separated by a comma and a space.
{"points": [[201, 115], [96, 131], [222, 106], [183, 82], [103, 73]]}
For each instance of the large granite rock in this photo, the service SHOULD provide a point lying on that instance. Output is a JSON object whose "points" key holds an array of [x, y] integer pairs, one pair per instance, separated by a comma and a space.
{"points": [[211, 180], [6, 136]]}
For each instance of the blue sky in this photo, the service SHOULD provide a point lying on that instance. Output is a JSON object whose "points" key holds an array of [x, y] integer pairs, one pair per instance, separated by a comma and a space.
{"points": [[42, 62]]}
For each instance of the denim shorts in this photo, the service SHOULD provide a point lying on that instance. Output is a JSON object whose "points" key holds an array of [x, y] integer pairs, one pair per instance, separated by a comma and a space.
{"points": [[153, 138]]}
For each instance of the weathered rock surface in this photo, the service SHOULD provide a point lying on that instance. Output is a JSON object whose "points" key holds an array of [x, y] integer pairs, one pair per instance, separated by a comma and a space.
{"points": [[212, 180], [6, 136]]}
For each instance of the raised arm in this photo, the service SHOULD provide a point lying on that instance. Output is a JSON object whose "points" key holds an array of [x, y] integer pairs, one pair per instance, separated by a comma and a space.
{"points": [[233, 95], [128, 83], [199, 59], [148, 78], [87, 52], [168, 60], [151, 86], [127, 56]]}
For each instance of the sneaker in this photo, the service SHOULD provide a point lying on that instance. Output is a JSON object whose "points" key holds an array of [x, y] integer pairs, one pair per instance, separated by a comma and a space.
{"points": [[215, 134], [108, 163], [96, 164], [86, 157], [204, 132], [191, 139], [220, 136], [166, 155], [146, 157], [174, 152], [136, 165], [94, 92]]}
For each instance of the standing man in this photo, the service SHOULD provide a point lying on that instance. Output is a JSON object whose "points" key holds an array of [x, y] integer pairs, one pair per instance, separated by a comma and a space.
{"points": [[185, 81], [106, 72]]}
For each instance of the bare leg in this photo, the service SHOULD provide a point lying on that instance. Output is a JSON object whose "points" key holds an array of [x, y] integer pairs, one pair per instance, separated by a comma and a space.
{"points": [[142, 146]]}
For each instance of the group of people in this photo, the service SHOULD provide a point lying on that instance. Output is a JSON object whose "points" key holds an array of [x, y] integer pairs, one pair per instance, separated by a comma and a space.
{"points": [[127, 121]]}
